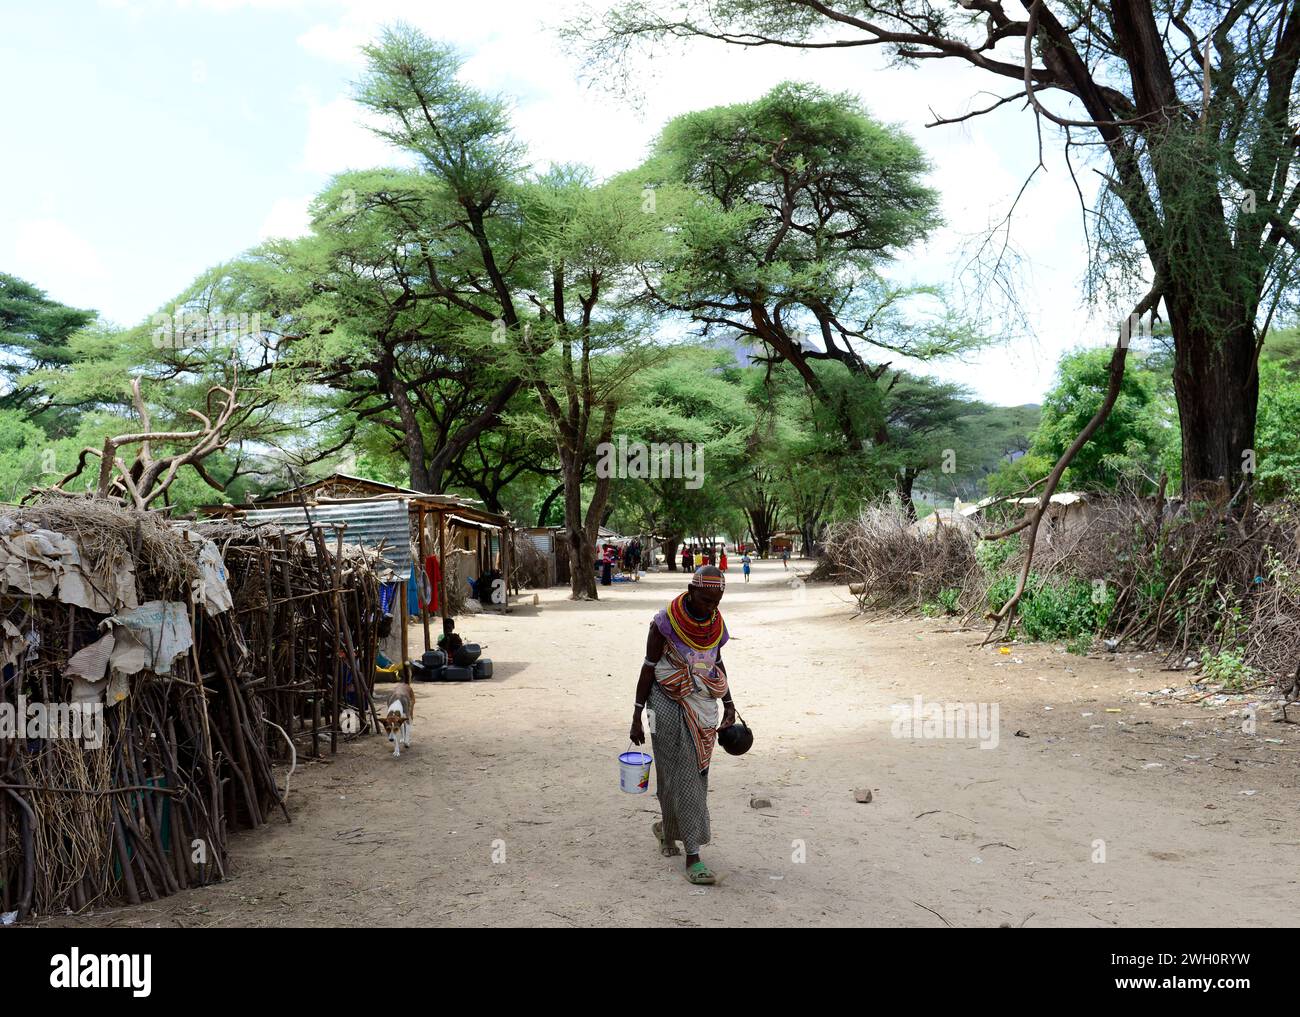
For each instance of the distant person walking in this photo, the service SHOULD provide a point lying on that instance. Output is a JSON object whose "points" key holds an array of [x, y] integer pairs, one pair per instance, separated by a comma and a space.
{"points": [[722, 560], [744, 567]]}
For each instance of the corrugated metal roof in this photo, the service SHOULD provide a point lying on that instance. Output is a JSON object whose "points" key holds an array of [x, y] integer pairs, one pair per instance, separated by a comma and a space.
{"points": [[368, 522], [1062, 498], [333, 478]]}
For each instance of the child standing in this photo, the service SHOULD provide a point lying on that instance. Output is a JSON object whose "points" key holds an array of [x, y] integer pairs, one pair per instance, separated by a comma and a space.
{"points": [[744, 566]]}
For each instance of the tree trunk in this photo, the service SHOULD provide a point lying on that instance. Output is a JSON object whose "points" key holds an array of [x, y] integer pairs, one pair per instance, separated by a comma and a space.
{"points": [[669, 546], [1218, 393], [545, 510], [413, 437], [440, 463], [599, 494], [582, 554], [903, 483], [760, 529]]}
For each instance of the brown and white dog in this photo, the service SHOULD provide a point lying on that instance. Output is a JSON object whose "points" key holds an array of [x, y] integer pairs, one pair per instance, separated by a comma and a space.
{"points": [[398, 716]]}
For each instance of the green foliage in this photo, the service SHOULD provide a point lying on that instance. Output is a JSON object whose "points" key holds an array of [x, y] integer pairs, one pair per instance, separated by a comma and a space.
{"points": [[1059, 610], [1277, 430], [859, 192], [30, 457], [946, 604], [981, 437], [1137, 431], [1055, 609], [34, 335], [1002, 589], [1228, 667], [1016, 475], [1138, 440], [1081, 644], [993, 554]]}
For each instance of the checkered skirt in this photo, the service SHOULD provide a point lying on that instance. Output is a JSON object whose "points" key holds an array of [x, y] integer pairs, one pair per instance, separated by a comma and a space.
{"points": [[681, 786]]}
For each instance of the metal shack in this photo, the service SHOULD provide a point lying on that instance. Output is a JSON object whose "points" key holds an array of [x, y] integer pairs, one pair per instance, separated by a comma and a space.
{"points": [[420, 534]]}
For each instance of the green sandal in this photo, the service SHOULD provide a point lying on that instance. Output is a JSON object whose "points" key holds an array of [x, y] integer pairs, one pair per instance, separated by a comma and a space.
{"points": [[699, 874], [666, 848]]}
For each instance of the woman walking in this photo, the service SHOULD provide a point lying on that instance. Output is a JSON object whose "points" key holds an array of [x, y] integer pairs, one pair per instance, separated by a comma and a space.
{"points": [[681, 680]]}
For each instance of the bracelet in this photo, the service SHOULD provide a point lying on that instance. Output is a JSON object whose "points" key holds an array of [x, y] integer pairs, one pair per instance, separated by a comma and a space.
{"points": [[639, 706], [647, 662]]}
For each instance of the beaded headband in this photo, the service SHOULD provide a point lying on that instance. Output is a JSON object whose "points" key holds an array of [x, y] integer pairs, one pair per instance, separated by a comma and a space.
{"points": [[718, 582]]}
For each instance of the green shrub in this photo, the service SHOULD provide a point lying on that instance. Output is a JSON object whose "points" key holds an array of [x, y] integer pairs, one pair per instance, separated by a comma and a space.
{"points": [[993, 554], [1228, 667], [1066, 610], [1080, 644], [1056, 610], [1000, 590]]}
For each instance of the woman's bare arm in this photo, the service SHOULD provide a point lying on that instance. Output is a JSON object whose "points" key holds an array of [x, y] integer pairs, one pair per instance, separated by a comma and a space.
{"points": [[654, 648]]}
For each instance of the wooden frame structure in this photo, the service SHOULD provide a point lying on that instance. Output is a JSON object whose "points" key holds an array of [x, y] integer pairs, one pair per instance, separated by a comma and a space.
{"points": [[442, 510]]}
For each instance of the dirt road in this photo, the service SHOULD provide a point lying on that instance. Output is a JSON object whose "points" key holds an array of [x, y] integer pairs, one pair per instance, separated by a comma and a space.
{"points": [[506, 811]]}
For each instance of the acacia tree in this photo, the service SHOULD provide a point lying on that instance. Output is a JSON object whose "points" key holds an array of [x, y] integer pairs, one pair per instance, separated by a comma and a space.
{"points": [[694, 400], [1187, 105], [360, 306], [163, 373], [503, 455], [539, 261], [785, 210], [34, 334], [928, 425]]}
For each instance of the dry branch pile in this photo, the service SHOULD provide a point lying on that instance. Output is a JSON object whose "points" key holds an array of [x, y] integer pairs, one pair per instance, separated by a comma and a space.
{"points": [[529, 568], [894, 566], [171, 652], [1191, 582]]}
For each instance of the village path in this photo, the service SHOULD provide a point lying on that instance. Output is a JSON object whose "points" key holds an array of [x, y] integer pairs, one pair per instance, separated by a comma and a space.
{"points": [[506, 810]]}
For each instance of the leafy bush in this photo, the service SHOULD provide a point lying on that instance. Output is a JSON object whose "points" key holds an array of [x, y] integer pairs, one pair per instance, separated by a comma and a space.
{"points": [[1081, 643], [1227, 667], [1056, 610], [1002, 588], [993, 554], [1066, 610], [949, 602]]}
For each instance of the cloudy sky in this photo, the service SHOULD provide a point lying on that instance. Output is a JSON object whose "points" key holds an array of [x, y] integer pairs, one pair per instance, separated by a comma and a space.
{"points": [[147, 140]]}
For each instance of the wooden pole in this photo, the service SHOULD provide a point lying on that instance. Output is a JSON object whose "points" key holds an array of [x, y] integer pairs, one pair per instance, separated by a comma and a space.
{"points": [[442, 559], [505, 570], [406, 610], [424, 603], [336, 610]]}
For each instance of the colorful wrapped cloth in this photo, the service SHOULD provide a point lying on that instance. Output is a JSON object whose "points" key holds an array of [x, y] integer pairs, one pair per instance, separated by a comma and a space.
{"points": [[689, 672]]}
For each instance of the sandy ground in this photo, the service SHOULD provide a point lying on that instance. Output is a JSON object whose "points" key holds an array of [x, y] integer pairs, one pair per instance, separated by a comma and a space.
{"points": [[506, 811]]}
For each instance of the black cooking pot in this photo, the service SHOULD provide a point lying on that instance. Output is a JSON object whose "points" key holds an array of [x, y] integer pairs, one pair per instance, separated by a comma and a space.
{"points": [[737, 739]]}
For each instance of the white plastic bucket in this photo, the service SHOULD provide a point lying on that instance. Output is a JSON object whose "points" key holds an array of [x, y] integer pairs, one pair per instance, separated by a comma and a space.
{"points": [[634, 772]]}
